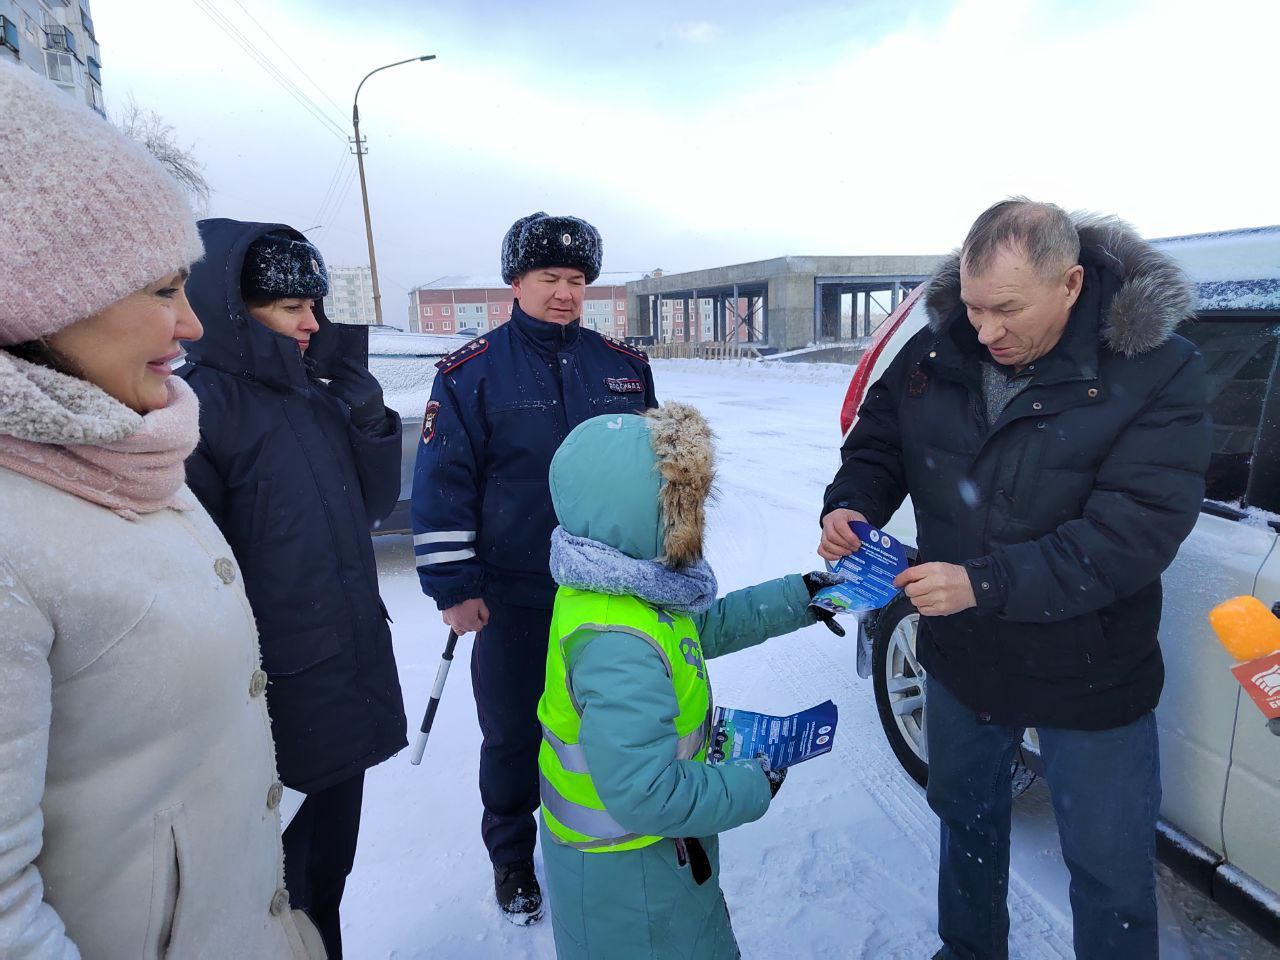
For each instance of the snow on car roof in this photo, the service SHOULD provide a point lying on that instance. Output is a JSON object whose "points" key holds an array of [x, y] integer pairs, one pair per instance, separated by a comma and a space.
{"points": [[386, 344], [1232, 269]]}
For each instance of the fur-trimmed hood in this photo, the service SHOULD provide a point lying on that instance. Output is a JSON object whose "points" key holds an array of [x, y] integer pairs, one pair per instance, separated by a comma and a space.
{"points": [[639, 484], [1154, 297], [682, 443]]}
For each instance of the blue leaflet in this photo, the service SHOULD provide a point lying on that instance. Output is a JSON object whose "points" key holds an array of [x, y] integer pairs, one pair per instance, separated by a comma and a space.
{"points": [[742, 735], [867, 575]]}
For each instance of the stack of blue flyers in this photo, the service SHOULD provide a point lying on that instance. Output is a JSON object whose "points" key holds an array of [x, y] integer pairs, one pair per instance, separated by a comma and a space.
{"points": [[785, 741], [867, 575]]}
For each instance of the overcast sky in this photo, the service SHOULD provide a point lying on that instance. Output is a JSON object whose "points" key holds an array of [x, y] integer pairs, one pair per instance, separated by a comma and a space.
{"points": [[699, 134]]}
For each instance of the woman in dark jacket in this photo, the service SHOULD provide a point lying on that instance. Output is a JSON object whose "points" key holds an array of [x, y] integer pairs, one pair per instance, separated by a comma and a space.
{"points": [[297, 458]]}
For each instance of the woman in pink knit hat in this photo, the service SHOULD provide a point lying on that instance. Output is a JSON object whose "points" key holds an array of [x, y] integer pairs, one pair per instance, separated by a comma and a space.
{"points": [[138, 796]]}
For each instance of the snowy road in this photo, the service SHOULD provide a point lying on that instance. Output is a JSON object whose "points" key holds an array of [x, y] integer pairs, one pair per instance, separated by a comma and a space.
{"points": [[842, 866]]}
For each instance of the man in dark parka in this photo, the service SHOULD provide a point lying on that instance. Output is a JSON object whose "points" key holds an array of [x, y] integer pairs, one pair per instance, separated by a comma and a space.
{"points": [[297, 458], [1051, 430]]}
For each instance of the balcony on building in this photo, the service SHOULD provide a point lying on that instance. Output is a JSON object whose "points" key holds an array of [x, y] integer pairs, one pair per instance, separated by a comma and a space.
{"points": [[62, 38], [9, 36]]}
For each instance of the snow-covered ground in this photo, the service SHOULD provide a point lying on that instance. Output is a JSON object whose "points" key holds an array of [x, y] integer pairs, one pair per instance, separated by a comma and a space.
{"points": [[842, 866]]}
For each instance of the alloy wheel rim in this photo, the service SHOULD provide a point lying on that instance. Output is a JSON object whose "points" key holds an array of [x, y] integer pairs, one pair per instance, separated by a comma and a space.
{"points": [[904, 682]]}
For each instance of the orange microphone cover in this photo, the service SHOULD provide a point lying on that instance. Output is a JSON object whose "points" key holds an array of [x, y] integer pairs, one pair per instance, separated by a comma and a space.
{"points": [[1246, 627]]}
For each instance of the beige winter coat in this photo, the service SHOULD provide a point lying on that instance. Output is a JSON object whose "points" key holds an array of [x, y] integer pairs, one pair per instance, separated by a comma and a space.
{"points": [[138, 801]]}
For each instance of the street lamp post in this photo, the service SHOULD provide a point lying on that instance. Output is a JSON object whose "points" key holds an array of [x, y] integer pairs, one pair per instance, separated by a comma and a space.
{"points": [[364, 191]]}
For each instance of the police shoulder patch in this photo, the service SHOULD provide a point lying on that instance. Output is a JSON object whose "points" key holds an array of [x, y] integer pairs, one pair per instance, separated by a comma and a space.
{"points": [[623, 347], [464, 353], [429, 420]]}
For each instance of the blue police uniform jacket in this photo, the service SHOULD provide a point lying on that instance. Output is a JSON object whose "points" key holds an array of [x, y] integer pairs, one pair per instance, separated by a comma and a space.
{"points": [[500, 408]]}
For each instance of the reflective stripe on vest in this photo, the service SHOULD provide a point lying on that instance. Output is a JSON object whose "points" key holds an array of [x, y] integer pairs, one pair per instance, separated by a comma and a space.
{"points": [[572, 809], [586, 820], [574, 759]]}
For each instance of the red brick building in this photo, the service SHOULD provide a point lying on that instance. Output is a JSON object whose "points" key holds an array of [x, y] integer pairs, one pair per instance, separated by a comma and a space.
{"points": [[458, 304]]}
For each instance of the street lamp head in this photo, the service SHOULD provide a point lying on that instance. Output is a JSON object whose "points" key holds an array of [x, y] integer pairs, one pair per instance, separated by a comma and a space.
{"points": [[429, 56]]}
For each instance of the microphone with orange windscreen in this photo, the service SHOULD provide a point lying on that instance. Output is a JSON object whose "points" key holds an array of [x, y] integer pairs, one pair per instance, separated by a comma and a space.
{"points": [[1251, 634]]}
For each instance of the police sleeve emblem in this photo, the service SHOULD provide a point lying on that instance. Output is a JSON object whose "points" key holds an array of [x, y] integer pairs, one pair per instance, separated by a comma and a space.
{"points": [[429, 420]]}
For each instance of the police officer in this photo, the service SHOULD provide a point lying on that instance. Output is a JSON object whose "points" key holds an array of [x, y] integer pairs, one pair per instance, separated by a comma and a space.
{"points": [[482, 514]]}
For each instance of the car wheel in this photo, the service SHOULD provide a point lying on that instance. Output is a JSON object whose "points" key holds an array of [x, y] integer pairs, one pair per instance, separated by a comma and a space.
{"points": [[898, 681]]}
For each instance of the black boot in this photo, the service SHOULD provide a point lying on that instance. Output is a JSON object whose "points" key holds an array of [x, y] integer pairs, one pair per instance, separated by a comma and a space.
{"points": [[516, 887]]}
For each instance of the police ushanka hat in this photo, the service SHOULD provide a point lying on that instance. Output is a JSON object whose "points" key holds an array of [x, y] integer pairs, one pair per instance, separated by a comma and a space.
{"points": [[539, 240], [278, 266]]}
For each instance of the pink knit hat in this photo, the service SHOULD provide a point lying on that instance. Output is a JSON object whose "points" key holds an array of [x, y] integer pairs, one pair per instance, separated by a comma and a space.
{"points": [[87, 216]]}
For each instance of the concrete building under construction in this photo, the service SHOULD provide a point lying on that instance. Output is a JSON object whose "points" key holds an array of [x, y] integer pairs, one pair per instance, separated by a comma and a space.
{"points": [[777, 305]]}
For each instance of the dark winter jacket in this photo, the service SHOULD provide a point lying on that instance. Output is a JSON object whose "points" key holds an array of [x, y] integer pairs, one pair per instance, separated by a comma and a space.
{"points": [[1067, 510], [294, 486], [500, 408]]}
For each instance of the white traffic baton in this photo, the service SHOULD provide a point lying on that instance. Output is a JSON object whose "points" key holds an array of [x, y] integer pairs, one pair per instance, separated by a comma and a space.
{"points": [[434, 703]]}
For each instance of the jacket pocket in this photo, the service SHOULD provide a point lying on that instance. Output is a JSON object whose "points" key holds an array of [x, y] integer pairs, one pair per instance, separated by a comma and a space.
{"points": [[1064, 649], [285, 656], [168, 867]]}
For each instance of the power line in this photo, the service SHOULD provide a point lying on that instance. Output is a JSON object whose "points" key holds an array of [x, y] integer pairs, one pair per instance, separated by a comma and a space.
{"points": [[246, 44], [334, 179], [342, 196], [298, 66], [275, 73]]}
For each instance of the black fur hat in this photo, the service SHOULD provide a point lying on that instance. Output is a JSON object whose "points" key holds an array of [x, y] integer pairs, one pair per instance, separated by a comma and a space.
{"points": [[539, 240], [278, 266]]}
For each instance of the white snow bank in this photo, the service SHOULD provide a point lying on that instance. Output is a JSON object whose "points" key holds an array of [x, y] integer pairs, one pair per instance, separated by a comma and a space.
{"points": [[830, 373]]}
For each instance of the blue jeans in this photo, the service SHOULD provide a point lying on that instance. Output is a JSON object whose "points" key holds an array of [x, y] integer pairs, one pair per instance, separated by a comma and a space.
{"points": [[1105, 786]]}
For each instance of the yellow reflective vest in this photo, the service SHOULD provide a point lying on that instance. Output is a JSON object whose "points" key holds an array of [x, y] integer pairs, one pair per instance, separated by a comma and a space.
{"points": [[571, 807]]}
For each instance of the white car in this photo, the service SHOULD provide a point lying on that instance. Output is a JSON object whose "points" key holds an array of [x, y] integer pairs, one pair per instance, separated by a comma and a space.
{"points": [[1220, 760]]}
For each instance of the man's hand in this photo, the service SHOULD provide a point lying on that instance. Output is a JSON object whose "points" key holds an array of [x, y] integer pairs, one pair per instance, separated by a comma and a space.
{"points": [[937, 589], [469, 616], [837, 539]]}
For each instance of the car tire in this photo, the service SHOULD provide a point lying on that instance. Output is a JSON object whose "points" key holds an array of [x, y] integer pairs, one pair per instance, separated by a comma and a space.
{"points": [[899, 684]]}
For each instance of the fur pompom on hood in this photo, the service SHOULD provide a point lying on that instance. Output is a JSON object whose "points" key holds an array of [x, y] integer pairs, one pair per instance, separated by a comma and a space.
{"points": [[1154, 298], [683, 443]]}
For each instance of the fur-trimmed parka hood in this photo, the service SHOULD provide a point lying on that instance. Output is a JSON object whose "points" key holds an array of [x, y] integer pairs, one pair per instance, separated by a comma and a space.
{"points": [[1153, 298], [639, 484]]}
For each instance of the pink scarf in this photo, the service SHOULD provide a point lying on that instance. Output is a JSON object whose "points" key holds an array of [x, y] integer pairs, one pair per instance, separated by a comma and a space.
{"points": [[69, 434]]}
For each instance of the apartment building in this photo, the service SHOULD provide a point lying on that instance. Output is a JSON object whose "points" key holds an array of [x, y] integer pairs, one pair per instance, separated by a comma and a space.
{"points": [[55, 38], [350, 298], [474, 305]]}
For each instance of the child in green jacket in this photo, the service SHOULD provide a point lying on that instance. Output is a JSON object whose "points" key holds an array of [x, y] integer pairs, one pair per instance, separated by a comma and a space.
{"points": [[630, 808]]}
